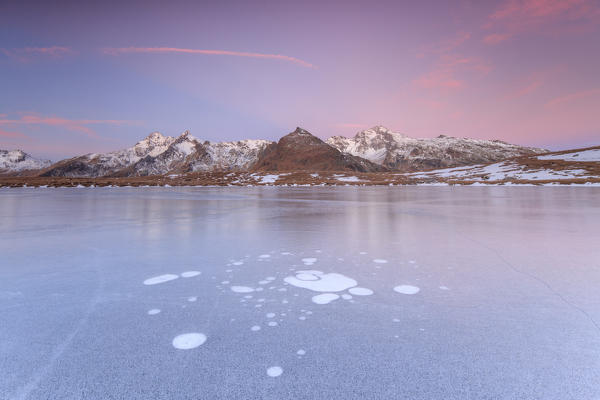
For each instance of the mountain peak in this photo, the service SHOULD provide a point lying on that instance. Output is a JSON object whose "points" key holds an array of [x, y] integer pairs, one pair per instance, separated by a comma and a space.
{"points": [[301, 131], [154, 136]]}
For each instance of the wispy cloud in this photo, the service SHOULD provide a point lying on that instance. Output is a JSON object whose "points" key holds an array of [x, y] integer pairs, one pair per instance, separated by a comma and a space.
{"points": [[29, 53], [73, 125], [445, 45], [557, 101], [445, 74], [12, 135], [155, 50], [513, 17]]}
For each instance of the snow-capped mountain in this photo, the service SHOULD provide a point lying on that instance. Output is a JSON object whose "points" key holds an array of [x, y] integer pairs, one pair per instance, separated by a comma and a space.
{"points": [[158, 154], [13, 161], [399, 152]]}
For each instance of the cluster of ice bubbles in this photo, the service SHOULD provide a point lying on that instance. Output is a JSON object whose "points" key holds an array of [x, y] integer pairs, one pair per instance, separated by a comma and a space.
{"points": [[328, 286]]}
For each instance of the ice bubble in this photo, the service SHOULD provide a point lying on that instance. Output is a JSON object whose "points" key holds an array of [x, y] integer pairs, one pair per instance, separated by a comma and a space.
{"points": [[331, 282], [360, 291], [160, 279], [264, 256], [192, 299], [270, 315], [302, 318], [270, 278], [274, 372], [272, 323], [346, 296], [237, 263], [325, 298], [363, 252], [444, 288], [309, 261], [188, 341], [407, 289], [301, 352], [190, 274], [225, 283], [154, 311], [242, 289], [255, 328], [286, 253], [263, 282], [380, 261]]}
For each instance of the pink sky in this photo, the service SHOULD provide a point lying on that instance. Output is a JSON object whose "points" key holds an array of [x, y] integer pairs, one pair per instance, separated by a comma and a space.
{"points": [[521, 71]]}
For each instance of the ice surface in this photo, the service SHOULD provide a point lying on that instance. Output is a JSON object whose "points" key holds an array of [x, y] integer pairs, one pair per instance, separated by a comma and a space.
{"points": [[187, 341], [274, 372], [190, 274], [360, 291], [325, 298], [331, 282], [242, 289], [520, 263], [406, 289], [160, 279]]}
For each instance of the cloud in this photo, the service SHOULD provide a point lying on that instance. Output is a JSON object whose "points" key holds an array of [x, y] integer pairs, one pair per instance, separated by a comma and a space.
{"points": [[12, 135], [445, 74], [28, 53], [74, 125], [496, 38], [517, 16], [557, 101], [125, 50], [446, 44]]}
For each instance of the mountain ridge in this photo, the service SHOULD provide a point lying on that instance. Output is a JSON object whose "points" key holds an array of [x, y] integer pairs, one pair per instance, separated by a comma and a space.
{"points": [[371, 150]]}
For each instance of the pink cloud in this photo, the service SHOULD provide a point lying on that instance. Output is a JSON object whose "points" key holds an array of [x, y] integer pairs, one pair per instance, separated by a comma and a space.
{"points": [[445, 74], [28, 53], [557, 101], [518, 16], [445, 45], [68, 124], [12, 135], [496, 38], [124, 50]]}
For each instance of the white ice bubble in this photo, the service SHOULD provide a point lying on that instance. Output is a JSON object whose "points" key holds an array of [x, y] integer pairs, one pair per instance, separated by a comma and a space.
{"points": [[363, 252], [286, 253], [242, 289], [272, 323], [225, 283], [331, 282], [160, 279], [309, 261], [263, 282], [325, 298], [264, 256], [407, 289], [270, 278], [301, 352], [444, 288], [190, 274], [154, 311], [302, 318], [192, 299], [274, 372], [380, 261], [188, 341], [255, 328], [346, 296], [259, 289], [360, 291], [270, 315], [237, 263]]}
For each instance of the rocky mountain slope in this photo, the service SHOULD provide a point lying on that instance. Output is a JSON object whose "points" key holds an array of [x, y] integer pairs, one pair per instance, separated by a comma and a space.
{"points": [[158, 154], [16, 161], [402, 153], [301, 151]]}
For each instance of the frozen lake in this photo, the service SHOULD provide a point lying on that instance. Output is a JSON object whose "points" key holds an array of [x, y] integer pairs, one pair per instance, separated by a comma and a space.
{"points": [[332, 293]]}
